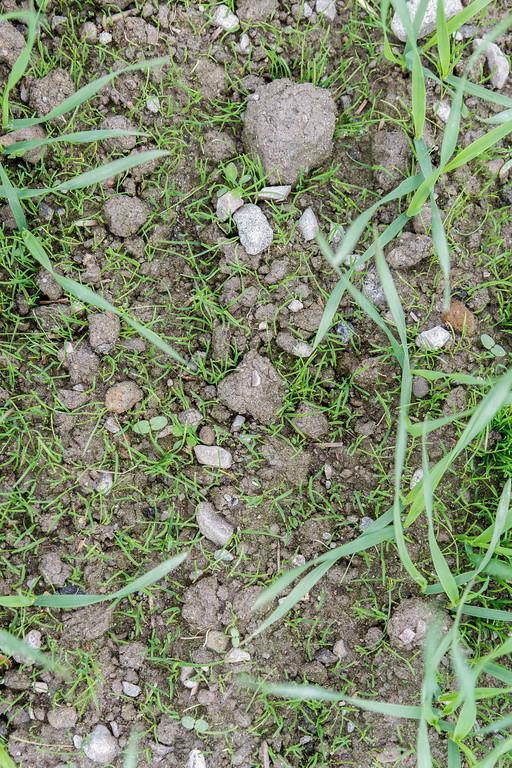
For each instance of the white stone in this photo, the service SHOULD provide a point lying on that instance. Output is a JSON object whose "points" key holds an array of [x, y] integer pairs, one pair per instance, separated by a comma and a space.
{"points": [[327, 8], [196, 759], [238, 423], [417, 476], [213, 456], [225, 18], [244, 46], [442, 110], [434, 338], [100, 746], [105, 38], [255, 232], [295, 305], [451, 7], [497, 62], [227, 204], [236, 656], [302, 349], [153, 104], [340, 649], [212, 525], [276, 194], [308, 224], [130, 689]]}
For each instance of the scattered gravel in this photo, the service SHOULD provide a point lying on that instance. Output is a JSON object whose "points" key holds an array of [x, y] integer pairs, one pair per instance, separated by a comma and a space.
{"points": [[227, 204], [308, 225], [254, 387], [101, 746], [104, 330], [125, 215], [12, 43], [123, 396], [212, 525], [255, 232], [497, 62], [290, 127], [451, 7], [213, 456], [434, 338]]}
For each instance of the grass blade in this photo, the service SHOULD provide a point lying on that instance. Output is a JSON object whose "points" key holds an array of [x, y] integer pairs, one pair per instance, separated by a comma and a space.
{"points": [[419, 96], [423, 746], [479, 146], [454, 759], [80, 137], [13, 200], [13, 646], [467, 680], [20, 65], [109, 170], [490, 760], [88, 296], [457, 21], [443, 39]]}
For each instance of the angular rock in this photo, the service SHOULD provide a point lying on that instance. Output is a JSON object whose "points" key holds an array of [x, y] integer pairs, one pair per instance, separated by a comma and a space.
{"points": [[237, 656], [124, 215], [100, 746], [276, 194], [290, 127], [434, 338], [130, 689], [497, 63], [123, 396], [190, 418], [225, 18], [104, 330], [255, 10], [254, 388], [212, 525], [255, 232], [48, 285], [308, 225], [213, 456], [227, 204], [311, 421], [12, 43], [326, 8], [391, 154], [50, 91], [451, 7], [411, 250]]}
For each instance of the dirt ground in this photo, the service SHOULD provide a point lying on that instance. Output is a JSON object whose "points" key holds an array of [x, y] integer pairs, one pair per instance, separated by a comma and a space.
{"points": [[288, 451]]}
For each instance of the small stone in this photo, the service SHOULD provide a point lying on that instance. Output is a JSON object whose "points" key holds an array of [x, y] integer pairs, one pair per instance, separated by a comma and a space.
{"points": [[364, 523], [48, 285], [311, 421], [216, 641], [416, 478], [119, 143], [105, 38], [89, 32], [459, 317], [63, 718], [411, 250], [276, 194], [130, 689], [434, 338], [451, 7], [213, 456], [326, 657], [254, 387], [237, 424], [345, 331], [442, 110], [244, 45], [132, 655], [255, 232], [227, 204], [104, 330], [196, 759], [153, 104], [497, 62], [293, 346], [100, 746], [308, 225], [225, 18], [327, 8], [237, 656], [190, 418], [295, 305], [340, 649], [124, 215], [34, 639], [212, 525], [207, 435], [123, 396], [420, 387], [12, 43], [373, 289]]}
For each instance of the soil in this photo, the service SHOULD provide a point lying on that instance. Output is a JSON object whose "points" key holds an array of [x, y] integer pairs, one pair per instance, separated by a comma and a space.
{"points": [[306, 440]]}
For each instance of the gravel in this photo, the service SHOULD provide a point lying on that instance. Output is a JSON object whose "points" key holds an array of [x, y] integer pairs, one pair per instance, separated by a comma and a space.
{"points": [[326, 8], [123, 396], [124, 215], [254, 387], [213, 456], [255, 232], [227, 204], [451, 7], [290, 127], [434, 338], [237, 656], [308, 225], [104, 330], [100, 746], [212, 525]]}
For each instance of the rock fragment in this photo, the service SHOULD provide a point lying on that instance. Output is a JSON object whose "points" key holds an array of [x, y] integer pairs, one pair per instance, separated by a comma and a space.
{"points": [[459, 317], [225, 18], [104, 330], [254, 387], [212, 525], [123, 396], [308, 225], [434, 338], [101, 747], [227, 204], [255, 232], [409, 623], [213, 456], [497, 63], [451, 7]]}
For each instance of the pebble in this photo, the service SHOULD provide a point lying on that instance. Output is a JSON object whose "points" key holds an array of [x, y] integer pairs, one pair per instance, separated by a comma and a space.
{"points": [[340, 649], [244, 46], [212, 525], [237, 656], [207, 435], [238, 423], [434, 338], [62, 717], [88, 32], [364, 523], [442, 110], [225, 18], [420, 387], [105, 38], [497, 62], [101, 747], [326, 657], [213, 456], [34, 639], [196, 759], [276, 194], [451, 7], [227, 204], [459, 317], [190, 418], [130, 689], [123, 396], [294, 346], [153, 104], [255, 232], [308, 225], [216, 641], [327, 8], [295, 305], [417, 476], [345, 331]]}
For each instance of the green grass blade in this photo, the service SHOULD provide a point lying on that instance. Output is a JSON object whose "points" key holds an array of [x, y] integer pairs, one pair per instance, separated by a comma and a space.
{"points": [[492, 614], [13, 646], [442, 249], [87, 92], [499, 672], [80, 137], [109, 170], [500, 524], [13, 200], [501, 117], [457, 21], [132, 752], [459, 378], [367, 307], [454, 758], [423, 193], [467, 679], [137, 585], [415, 430], [20, 65], [419, 96], [423, 746], [5, 759], [278, 585], [503, 724], [88, 296], [443, 40], [479, 146]]}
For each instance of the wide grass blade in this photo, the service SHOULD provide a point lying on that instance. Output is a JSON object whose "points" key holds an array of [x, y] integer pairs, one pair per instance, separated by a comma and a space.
{"points": [[278, 585], [13, 646], [87, 92], [454, 758], [13, 200], [443, 39], [467, 679], [423, 746], [499, 526], [479, 146], [109, 170], [425, 427], [419, 96], [492, 614], [88, 296], [20, 65], [457, 21], [80, 137], [137, 585]]}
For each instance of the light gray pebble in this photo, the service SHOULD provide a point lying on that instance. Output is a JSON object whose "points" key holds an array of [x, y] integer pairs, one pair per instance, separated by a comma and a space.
{"points": [[225, 18], [276, 194], [451, 7], [227, 204], [255, 232], [212, 525], [100, 746], [213, 456], [308, 224], [434, 338]]}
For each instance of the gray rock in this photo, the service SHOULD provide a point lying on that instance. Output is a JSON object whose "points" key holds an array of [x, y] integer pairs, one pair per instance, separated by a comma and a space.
{"points": [[434, 338], [216, 641], [244, 45], [190, 418], [130, 689], [391, 154], [89, 32], [255, 10], [293, 346], [212, 525], [225, 18], [104, 330], [255, 232], [119, 143], [27, 134], [100, 746], [48, 285], [63, 718], [196, 759], [410, 251], [295, 305], [311, 421], [420, 387], [50, 91], [308, 224], [237, 656], [276, 194], [123, 396], [53, 570], [372, 288], [213, 456], [124, 215], [290, 127], [254, 387], [12, 43], [497, 63], [327, 8], [442, 110], [451, 7], [340, 649], [326, 657], [227, 204]]}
